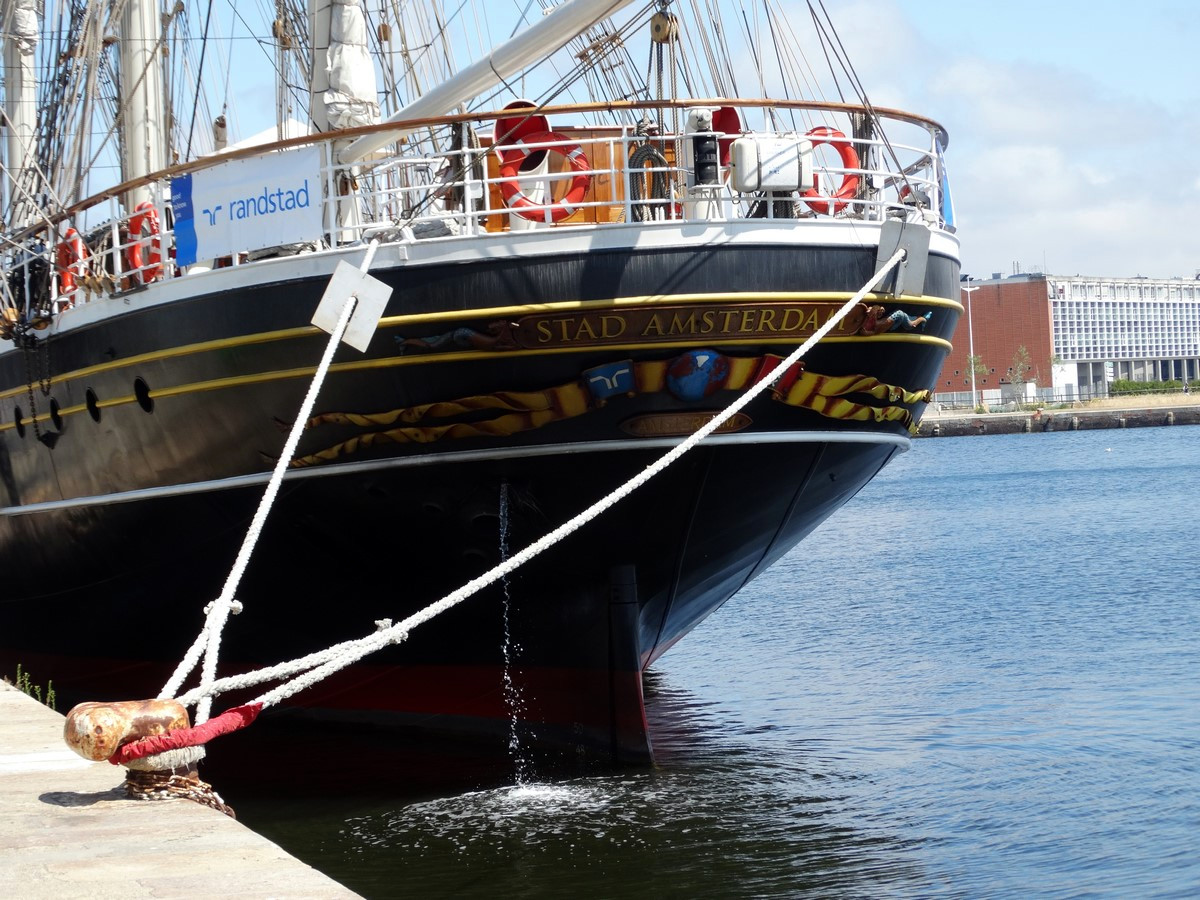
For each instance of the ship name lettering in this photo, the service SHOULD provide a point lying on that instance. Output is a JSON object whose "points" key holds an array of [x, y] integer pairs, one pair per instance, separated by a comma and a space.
{"points": [[676, 323], [583, 328]]}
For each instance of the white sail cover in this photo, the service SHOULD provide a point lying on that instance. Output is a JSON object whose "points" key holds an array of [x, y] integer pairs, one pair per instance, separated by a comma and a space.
{"points": [[19, 27], [20, 24], [351, 98]]}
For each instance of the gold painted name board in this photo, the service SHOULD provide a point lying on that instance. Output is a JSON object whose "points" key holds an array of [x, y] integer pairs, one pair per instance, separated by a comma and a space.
{"points": [[684, 323]]}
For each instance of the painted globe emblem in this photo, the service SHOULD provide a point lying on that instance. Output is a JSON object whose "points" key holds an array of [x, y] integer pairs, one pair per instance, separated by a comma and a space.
{"points": [[697, 374]]}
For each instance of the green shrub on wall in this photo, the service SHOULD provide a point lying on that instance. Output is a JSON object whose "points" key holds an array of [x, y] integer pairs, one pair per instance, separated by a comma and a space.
{"points": [[1124, 386]]}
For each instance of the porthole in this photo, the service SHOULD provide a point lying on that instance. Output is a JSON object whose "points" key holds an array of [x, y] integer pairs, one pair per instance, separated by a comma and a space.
{"points": [[56, 415], [93, 404], [18, 416], [141, 390]]}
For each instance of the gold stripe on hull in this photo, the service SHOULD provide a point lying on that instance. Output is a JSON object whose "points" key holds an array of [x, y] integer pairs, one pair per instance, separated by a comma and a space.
{"points": [[404, 321]]}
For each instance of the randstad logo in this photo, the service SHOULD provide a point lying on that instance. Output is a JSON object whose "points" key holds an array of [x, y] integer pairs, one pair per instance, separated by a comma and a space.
{"points": [[267, 203]]}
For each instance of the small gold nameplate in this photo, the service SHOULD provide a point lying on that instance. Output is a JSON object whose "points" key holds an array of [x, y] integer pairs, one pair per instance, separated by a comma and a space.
{"points": [[676, 424]]}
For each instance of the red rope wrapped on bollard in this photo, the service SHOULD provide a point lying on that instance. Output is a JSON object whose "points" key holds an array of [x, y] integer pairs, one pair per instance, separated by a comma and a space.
{"points": [[226, 723]]}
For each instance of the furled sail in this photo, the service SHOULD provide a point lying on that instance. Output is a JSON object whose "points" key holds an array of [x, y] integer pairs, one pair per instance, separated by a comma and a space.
{"points": [[19, 25], [350, 100]]}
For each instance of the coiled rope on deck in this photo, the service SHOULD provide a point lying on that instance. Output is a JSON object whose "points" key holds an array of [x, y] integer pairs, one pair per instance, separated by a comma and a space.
{"points": [[319, 665]]}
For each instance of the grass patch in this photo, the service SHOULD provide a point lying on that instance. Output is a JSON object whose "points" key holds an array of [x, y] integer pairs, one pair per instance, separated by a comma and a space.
{"points": [[25, 684]]}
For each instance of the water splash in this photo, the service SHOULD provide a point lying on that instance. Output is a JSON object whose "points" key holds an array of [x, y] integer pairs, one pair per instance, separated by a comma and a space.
{"points": [[513, 697]]}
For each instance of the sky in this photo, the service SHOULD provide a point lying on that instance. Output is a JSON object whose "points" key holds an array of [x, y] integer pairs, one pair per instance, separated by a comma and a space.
{"points": [[1074, 127]]}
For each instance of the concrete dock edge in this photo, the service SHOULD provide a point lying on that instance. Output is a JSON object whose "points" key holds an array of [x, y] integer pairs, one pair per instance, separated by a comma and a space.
{"points": [[67, 830], [1034, 421]]}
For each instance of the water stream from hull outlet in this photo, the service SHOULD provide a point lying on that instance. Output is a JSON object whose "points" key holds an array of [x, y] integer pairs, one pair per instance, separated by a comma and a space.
{"points": [[513, 698]]}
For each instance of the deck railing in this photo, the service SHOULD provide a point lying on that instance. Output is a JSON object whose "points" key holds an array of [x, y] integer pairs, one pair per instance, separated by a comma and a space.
{"points": [[446, 182]]}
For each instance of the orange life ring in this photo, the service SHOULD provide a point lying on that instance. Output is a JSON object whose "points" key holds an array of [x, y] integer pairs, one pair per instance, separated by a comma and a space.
{"points": [[510, 167], [823, 134], [145, 214], [71, 259]]}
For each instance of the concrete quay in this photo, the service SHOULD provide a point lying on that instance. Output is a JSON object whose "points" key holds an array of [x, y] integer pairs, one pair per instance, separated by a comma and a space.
{"points": [[1081, 419], [67, 830]]}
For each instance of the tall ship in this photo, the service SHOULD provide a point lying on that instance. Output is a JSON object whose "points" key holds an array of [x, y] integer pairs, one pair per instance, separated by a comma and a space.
{"points": [[574, 237]]}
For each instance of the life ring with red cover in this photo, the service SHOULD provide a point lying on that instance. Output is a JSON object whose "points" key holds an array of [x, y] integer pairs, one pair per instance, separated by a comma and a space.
{"points": [[510, 168], [823, 134]]}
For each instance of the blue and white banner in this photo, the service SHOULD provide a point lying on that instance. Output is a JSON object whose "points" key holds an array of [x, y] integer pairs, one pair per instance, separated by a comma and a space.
{"points": [[248, 204]]}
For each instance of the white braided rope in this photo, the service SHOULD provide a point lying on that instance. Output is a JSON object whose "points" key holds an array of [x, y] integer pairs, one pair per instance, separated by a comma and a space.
{"points": [[208, 641], [325, 662]]}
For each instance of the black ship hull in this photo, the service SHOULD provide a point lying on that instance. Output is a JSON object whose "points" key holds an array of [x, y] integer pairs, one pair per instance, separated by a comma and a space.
{"points": [[498, 398]]}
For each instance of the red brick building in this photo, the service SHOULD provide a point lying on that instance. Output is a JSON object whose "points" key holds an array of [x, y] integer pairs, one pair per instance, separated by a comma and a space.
{"points": [[1003, 316], [1079, 333]]}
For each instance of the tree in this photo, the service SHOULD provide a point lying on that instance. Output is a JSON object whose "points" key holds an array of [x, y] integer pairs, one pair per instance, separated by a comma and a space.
{"points": [[1018, 374]]}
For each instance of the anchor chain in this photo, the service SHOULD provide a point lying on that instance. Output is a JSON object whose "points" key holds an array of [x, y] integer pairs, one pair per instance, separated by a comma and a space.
{"points": [[28, 343], [166, 786]]}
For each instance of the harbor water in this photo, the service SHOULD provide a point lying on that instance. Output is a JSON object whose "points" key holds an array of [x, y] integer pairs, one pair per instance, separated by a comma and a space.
{"points": [[981, 678]]}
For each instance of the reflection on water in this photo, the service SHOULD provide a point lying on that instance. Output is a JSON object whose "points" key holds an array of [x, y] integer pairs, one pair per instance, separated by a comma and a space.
{"points": [[979, 679]]}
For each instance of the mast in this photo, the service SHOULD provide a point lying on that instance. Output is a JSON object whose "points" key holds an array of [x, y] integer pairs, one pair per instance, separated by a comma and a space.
{"points": [[535, 43], [144, 144], [319, 15], [20, 30]]}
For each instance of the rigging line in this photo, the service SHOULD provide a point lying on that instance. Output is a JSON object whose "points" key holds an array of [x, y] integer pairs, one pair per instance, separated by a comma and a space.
{"points": [[722, 41], [49, 132], [712, 79], [572, 76], [798, 62], [862, 95], [424, 55], [199, 80], [616, 68], [757, 64], [823, 40], [229, 63], [38, 212], [444, 34], [262, 43], [783, 80], [31, 198], [118, 119], [522, 19]]}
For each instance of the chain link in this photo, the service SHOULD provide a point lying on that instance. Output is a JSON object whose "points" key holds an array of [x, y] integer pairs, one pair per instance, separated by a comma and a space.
{"points": [[23, 338], [167, 786]]}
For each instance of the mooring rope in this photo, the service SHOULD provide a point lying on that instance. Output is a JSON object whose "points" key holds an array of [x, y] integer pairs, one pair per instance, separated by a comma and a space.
{"points": [[208, 641], [321, 664]]}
